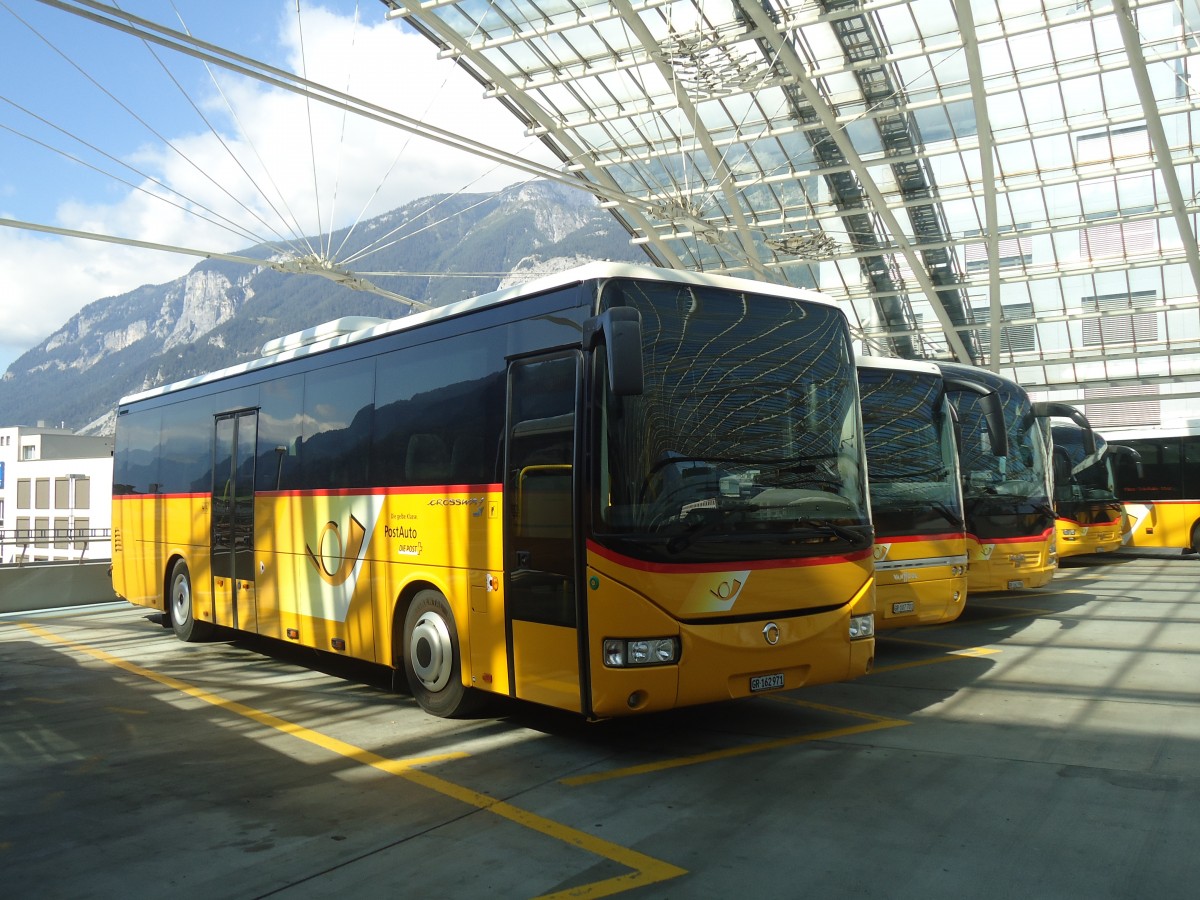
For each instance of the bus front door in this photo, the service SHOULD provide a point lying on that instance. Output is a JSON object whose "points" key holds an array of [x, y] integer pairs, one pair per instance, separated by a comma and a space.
{"points": [[542, 609], [233, 520]]}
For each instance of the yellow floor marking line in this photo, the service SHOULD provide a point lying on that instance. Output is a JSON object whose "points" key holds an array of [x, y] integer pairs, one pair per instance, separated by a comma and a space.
{"points": [[646, 869], [965, 653], [941, 645], [876, 723], [839, 710]]}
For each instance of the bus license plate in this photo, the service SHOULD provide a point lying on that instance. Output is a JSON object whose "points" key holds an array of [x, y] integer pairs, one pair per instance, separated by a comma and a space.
{"points": [[906, 606], [1015, 585], [766, 682]]}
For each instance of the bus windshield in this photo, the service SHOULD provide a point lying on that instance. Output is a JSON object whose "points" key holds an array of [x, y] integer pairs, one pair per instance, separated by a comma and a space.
{"points": [[746, 441], [910, 451], [1078, 475], [1024, 472]]}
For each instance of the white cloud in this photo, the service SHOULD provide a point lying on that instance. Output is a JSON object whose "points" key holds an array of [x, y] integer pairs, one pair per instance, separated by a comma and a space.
{"points": [[357, 163]]}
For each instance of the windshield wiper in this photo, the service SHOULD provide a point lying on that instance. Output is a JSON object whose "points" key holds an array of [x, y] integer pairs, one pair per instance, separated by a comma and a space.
{"points": [[786, 463], [707, 523], [841, 531]]}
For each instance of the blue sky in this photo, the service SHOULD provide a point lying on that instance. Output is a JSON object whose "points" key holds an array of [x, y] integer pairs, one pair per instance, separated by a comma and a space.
{"points": [[81, 88]]}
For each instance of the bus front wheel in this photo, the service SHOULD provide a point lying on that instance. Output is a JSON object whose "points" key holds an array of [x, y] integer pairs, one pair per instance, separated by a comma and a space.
{"points": [[180, 609], [433, 659]]}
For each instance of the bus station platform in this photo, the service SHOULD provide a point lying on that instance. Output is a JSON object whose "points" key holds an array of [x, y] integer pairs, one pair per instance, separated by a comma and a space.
{"points": [[1045, 745]]}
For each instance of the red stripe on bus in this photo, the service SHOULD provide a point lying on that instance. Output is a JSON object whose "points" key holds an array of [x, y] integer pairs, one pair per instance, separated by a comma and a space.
{"points": [[750, 564], [204, 496], [378, 491], [904, 538], [1028, 539]]}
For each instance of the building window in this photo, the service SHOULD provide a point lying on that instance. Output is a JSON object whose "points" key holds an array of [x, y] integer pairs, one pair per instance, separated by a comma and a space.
{"points": [[83, 492], [1011, 249], [29, 451], [23, 493], [41, 493], [82, 526], [22, 529], [81, 529], [62, 529], [1141, 408], [1113, 328], [41, 532], [1118, 238], [62, 493], [1013, 338]]}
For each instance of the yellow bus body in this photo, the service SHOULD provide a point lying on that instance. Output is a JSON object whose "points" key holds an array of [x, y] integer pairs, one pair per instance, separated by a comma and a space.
{"points": [[1075, 539], [920, 580], [1007, 564], [331, 569], [1165, 524]]}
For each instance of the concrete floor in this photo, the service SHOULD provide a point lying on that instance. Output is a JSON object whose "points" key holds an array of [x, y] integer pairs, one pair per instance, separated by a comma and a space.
{"points": [[1045, 745]]}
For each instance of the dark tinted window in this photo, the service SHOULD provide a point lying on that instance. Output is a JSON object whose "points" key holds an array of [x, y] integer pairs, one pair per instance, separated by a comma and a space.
{"points": [[186, 447], [280, 428], [135, 461], [1163, 478], [338, 409], [439, 414], [1191, 467]]}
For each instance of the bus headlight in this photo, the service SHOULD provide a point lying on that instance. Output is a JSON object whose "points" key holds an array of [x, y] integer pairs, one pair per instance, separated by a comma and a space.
{"points": [[621, 653], [862, 626]]}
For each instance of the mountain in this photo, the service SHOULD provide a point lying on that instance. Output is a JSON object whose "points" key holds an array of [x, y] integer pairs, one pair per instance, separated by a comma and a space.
{"points": [[220, 313]]}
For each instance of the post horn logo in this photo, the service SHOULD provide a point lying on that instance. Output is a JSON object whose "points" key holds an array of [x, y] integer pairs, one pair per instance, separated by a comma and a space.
{"points": [[727, 591], [343, 552]]}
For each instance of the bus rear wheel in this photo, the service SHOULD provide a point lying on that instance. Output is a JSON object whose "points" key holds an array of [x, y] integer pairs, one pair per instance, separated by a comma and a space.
{"points": [[433, 658], [180, 608]]}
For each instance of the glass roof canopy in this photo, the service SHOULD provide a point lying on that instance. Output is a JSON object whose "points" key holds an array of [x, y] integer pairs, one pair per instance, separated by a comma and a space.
{"points": [[938, 166]]}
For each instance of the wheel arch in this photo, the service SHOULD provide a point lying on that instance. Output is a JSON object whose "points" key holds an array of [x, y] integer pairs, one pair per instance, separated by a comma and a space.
{"points": [[164, 595], [400, 610]]}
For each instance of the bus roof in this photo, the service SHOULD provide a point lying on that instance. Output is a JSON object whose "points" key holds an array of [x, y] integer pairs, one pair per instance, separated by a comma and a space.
{"points": [[313, 340]]}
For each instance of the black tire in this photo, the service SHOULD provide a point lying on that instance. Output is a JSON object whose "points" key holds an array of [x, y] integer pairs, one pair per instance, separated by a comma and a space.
{"points": [[1195, 548], [433, 658], [180, 607]]}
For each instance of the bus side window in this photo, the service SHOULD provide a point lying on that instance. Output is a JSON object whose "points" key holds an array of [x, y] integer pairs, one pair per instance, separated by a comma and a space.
{"points": [[466, 458], [543, 501], [426, 461], [1189, 472]]}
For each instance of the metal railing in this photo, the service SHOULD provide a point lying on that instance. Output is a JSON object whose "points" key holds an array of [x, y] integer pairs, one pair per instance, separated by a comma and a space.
{"points": [[20, 540]]}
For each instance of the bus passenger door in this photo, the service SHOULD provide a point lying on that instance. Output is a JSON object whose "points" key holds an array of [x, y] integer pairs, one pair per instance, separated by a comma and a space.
{"points": [[233, 520], [542, 609]]}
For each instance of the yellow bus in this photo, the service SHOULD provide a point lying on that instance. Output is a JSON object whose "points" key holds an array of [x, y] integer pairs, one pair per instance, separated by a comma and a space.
{"points": [[1085, 498], [1159, 487], [611, 491], [1006, 496], [915, 489]]}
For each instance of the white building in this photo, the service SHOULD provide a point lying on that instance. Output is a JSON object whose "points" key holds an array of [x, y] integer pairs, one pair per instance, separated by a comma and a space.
{"points": [[55, 495]]}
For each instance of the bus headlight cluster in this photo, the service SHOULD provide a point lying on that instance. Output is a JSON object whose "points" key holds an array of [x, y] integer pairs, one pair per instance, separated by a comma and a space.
{"points": [[621, 653], [862, 626], [958, 570]]}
